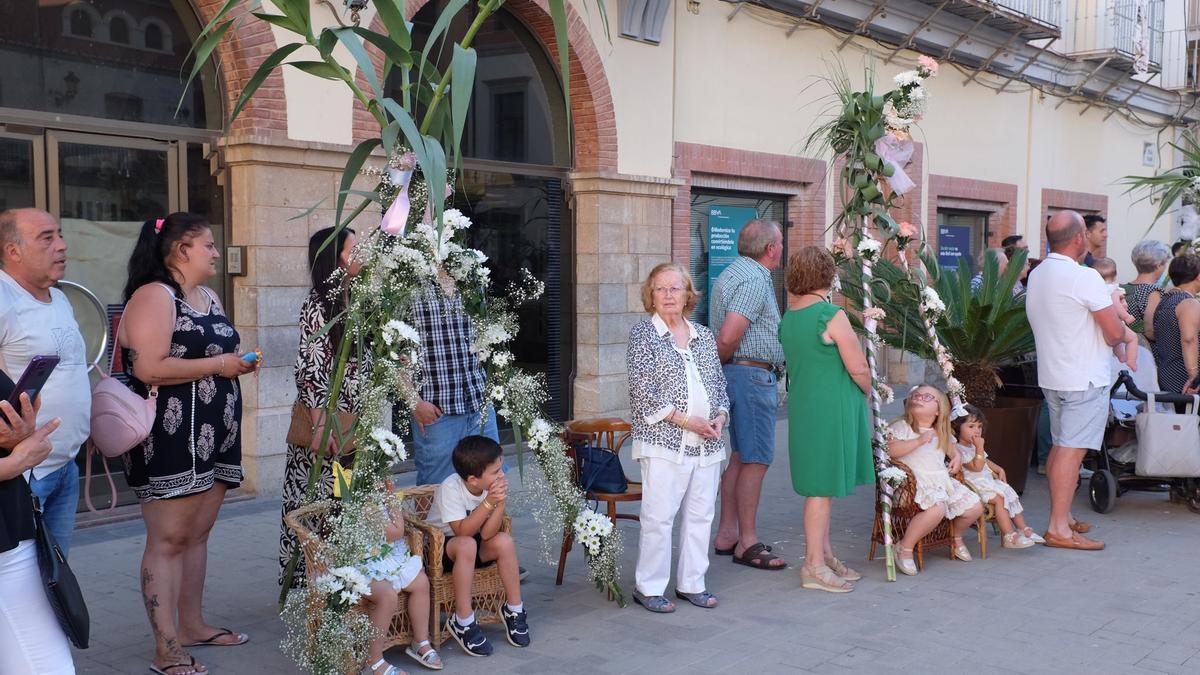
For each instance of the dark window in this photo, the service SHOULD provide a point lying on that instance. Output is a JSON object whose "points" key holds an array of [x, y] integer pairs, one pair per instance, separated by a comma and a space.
{"points": [[961, 234], [154, 37], [508, 125], [118, 30], [81, 23], [123, 107]]}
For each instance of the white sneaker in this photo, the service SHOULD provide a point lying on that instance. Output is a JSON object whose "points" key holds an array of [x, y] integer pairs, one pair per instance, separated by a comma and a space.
{"points": [[1015, 539]]}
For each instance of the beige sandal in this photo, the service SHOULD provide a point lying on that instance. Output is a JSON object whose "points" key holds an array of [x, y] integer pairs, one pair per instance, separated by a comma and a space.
{"points": [[959, 550], [823, 579], [839, 568], [906, 565]]}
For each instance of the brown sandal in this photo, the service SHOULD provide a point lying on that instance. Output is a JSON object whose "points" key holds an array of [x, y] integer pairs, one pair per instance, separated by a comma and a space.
{"points": [[759, 556]]}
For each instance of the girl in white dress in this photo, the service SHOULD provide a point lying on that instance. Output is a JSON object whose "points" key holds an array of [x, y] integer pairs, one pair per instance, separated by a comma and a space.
{"points": [[922, 441], [987, 478], [391, 571]]}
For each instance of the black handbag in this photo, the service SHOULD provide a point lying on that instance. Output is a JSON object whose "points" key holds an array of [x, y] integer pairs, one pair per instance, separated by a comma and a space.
{"points": [[62, 590], [600, 470]]}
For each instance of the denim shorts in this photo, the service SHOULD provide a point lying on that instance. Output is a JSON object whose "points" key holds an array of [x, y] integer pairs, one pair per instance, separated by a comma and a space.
{"points": [[753, 402], [1078, 418]]}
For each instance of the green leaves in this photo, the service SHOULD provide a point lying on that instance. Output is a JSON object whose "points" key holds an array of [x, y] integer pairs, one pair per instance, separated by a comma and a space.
{"points": [[321, 69], [462, 84]]}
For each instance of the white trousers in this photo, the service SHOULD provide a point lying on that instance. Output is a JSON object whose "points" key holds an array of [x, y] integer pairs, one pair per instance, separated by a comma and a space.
{"points": [[666, 488], [31, 641]]}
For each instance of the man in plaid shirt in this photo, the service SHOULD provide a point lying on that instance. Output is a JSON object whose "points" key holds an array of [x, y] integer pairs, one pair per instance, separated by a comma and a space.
{"points": [[745, 318], [453, 403]]}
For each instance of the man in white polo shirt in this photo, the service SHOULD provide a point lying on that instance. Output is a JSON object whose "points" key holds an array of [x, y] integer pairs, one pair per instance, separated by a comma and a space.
{"points": [[36, 319], [1075, 326]]}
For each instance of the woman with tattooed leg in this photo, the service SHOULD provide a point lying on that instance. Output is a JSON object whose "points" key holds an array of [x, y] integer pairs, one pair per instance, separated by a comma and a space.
{"points": [[179, 347]]}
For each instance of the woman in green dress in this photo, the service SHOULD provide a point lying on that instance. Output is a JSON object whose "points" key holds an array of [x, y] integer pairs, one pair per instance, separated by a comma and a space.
{"points": [[829, 432]]}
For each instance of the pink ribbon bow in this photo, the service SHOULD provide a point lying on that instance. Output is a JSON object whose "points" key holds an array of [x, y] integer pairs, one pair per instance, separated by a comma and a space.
{"points": [[896, 153], [395, 219]]}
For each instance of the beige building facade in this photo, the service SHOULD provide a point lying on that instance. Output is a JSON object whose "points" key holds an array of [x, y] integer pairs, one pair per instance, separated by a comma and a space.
{"points": [[689, 108]]}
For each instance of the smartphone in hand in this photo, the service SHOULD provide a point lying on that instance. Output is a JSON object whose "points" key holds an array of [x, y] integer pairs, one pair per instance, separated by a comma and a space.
{"points": [[36, 374]]}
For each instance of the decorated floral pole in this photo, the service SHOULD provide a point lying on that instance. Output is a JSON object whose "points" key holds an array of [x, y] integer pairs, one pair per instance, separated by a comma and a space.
{"points": [[868, 250]]}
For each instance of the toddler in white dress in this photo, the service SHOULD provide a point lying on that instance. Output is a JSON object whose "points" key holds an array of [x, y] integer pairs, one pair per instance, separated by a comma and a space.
{"points": [[988, 479], [392, 570], [921, 440]]}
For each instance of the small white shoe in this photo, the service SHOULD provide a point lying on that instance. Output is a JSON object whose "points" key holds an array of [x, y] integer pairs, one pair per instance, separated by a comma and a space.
{"points": [[1015, 539], [905, 565], [1029, 534], [960, 552]]}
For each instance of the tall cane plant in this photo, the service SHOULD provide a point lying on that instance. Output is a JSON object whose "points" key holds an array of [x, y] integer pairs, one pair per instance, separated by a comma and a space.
{"points": [[417, 246]]}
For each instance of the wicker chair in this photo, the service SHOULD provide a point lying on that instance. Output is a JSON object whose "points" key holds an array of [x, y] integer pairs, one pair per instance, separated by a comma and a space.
{"points": [[608, 433], [487, 591], [310, 523], [904, 508]]}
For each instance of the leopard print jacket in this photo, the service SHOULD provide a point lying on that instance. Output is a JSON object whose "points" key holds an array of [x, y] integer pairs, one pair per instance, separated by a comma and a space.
{"points": [[658, 378]]}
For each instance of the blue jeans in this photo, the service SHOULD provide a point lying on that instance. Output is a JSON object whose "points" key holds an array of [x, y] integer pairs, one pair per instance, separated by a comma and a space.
{"points": [[59, 494], [753, 402], [432, 450]]}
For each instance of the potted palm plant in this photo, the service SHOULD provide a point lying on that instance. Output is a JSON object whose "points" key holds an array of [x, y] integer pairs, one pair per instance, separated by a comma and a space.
{"points": [[981, 330]]}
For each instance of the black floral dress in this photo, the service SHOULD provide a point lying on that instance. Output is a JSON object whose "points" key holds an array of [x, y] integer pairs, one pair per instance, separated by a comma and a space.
{"points": [[196, 436], [314, 370]]}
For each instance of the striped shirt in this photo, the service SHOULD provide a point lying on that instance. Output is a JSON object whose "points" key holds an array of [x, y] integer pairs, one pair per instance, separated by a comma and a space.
{"points": [[745, 287]]}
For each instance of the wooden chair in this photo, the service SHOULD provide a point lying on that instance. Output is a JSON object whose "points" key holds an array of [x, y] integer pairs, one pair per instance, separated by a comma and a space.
{"points": [[607, 433], [487, 590], [310, 523]]}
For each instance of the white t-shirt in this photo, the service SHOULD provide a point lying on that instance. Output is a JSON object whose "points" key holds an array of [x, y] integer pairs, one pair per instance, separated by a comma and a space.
{"points": [[29, 328], [452, 501], [1071, 352]]}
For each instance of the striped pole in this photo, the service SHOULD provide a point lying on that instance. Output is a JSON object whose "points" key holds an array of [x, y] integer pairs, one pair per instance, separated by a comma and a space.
{"points": [[956, 400], [880, 437]]}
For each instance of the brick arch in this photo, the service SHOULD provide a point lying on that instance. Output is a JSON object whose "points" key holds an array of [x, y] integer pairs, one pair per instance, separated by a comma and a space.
{"points": [[594, 124], [238, 56]]}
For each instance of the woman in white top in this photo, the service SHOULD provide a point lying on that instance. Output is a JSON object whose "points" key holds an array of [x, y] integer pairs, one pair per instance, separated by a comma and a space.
{"points": [[677, 393]]}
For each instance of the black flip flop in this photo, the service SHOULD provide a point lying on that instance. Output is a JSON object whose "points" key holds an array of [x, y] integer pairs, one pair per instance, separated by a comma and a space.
{"points": [[759, 557], [731, 549], [242, 639]]}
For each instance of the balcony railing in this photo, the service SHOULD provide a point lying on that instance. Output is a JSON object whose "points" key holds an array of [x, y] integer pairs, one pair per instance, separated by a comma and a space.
{"points": [[1048, 12], [1125, 33], [1193, 13], [1181, 61]]}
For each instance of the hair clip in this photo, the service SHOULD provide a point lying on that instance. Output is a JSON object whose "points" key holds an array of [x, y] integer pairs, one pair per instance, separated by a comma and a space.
{"points": [[158, 225]]}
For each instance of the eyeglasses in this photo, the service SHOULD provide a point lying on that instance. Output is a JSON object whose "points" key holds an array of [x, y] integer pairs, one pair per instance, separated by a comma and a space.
{"points": [[922, 396], [668, 290]]}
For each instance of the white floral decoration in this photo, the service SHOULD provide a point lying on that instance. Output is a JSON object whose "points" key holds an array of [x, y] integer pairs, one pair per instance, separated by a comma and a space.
{"points": [[591, 528], [869, 248], [390, 444]]}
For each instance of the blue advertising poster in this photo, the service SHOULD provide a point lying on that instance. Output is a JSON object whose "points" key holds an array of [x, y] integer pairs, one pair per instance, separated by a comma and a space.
{"points": [[954, 242], [724, 225]]}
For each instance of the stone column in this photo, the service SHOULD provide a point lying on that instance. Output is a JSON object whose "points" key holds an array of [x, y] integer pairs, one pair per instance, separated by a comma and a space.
{"points": [[622, 230], [272, 181]]}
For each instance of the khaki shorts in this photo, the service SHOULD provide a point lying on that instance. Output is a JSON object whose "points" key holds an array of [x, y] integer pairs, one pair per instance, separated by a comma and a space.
{"points": [[1078, 418]]}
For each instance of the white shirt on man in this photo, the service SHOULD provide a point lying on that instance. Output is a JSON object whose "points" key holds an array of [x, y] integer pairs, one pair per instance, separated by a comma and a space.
{"points": [[452, 502], [1071, 352], [29, 328]]}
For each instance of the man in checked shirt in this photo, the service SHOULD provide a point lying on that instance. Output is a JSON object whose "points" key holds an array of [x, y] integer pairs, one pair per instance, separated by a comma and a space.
{"points": [[453, 404]]}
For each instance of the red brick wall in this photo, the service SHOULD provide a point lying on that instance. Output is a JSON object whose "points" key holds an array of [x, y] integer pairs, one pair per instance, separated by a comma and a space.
{"points": [[593, 120], [1083, 202], [998, 198], [238, 56], [801, 180]]}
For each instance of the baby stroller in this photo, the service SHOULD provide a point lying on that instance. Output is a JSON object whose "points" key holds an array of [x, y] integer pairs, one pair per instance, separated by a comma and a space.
{"points": [[1116, 466]]}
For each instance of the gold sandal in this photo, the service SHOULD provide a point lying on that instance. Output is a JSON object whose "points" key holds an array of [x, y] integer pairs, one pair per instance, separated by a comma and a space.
{"points": [[959, 550], [839, 568], [823, 579]]}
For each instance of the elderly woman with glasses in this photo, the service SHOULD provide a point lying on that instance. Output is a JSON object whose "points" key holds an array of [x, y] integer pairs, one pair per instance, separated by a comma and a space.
{"points": [[677, 393]]}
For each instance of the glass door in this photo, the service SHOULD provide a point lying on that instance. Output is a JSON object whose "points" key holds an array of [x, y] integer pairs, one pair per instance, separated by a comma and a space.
{"points": [[102, 188], [22, 170]]}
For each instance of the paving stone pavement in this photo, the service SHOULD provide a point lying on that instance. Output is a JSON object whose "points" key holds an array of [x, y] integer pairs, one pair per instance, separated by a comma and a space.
{"points": [[1133, 608]]}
